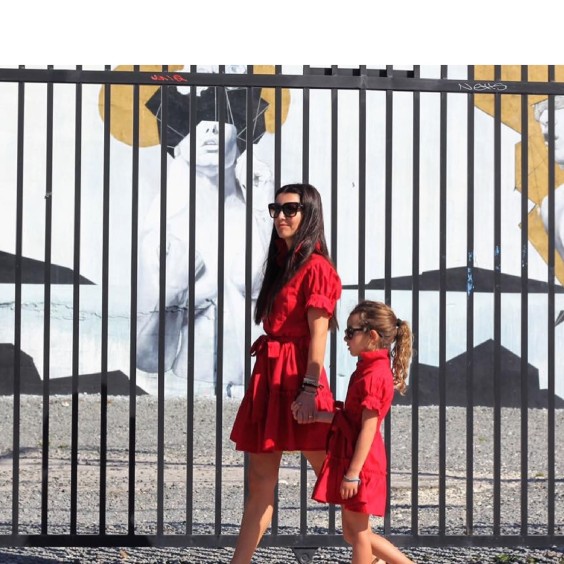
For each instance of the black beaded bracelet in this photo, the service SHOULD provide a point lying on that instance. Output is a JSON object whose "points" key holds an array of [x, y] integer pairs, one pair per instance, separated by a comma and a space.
{"points": [[307, 381]]}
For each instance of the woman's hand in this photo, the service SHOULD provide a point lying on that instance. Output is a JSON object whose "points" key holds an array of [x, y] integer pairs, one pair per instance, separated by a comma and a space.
{"points": [[304, 408]]}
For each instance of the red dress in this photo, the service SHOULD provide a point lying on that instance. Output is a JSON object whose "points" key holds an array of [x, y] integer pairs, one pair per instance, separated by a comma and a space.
{"points": [[264, 422], [371, 387]]}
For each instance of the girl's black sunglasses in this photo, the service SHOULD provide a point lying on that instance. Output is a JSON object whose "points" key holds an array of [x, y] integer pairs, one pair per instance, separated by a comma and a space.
{"points": [[350, 331], [290, 209]]}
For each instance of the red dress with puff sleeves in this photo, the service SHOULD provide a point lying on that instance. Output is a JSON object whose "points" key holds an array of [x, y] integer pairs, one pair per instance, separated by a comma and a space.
{"points": [[264, 422], [371, 387]]}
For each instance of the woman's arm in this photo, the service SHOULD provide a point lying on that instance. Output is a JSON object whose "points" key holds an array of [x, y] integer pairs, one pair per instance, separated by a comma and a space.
{"points": [[304, 409], [361, 450]]}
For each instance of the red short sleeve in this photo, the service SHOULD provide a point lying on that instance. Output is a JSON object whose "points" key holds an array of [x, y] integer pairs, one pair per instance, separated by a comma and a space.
{"points": [[373, 393], [322, 285]]}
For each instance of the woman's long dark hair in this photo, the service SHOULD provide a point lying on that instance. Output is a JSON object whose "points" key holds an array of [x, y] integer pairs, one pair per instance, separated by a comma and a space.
{"points": [[309, 238]]}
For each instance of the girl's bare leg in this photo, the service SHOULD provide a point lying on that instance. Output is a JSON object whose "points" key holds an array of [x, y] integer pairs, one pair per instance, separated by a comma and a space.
{"points": [[357, 532], [356, 529], [386, 551], [263, 475]]}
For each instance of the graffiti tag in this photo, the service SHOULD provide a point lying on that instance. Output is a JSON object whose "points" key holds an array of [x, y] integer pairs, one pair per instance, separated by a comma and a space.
{"points": [[483, 86], [168, 78]]}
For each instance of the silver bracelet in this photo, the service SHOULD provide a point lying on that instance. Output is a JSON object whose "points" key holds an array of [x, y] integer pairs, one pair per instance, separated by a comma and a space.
{"points": [[352, 480], [307, 381]]}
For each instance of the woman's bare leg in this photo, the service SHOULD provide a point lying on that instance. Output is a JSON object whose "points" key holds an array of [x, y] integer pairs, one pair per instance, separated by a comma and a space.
{"points": [[315, 458], [263, 475]]}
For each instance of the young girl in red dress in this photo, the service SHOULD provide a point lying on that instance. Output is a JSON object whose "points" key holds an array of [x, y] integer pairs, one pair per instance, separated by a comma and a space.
{"points": [[354, 471], [296, 306]]}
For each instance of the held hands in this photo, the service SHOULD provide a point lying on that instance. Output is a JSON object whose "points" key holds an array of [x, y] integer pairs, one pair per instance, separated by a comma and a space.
{"points": [[304, 409]]}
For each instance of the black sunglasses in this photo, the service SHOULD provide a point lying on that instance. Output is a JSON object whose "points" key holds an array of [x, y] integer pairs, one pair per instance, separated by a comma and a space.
{"points": [[290, 209], [350, 331]]}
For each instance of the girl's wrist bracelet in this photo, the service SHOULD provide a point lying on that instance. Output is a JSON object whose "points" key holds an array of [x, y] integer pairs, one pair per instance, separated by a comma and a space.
{"points": [[351, 480]]}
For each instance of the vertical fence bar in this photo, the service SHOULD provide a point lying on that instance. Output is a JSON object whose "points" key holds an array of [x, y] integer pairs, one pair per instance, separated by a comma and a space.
{"points": [[334, 239], [551, 314], [497, 312], [305, 128], [277, 183], [76, 307], [47, 312], [305, 178], [18, 311], [443, 144], [191, 311], [133, 309], [334, 210], [362, 189], [105, 308], [162, 310], [524, 304], [249, 317], [220, 307], [249, 146], [470, 217], [414, 371], [334, 214], [388, 268], [388, 201]]}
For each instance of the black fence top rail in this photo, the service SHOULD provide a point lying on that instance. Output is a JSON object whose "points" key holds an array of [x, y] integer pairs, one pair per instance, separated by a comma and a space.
{"points": [[352, 79]]}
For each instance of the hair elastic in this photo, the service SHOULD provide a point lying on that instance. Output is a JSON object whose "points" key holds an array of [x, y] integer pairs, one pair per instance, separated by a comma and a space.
{"points": [[398, 322]]}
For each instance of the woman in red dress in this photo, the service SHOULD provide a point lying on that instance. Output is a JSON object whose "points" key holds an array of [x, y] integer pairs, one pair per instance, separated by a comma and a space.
{"points": [[354, 471], [296, 306]]}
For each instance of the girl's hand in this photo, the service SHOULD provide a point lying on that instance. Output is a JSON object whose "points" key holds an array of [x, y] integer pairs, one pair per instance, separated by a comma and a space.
{"points": [[304, 408], [349, 488]]}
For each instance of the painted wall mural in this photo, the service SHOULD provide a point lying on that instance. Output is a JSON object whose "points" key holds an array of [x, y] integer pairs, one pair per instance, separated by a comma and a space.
{"points": [[84, 142], [538, 158]]}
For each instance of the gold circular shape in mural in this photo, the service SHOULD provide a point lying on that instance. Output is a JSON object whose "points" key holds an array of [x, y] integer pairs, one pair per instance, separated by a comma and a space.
{"points": [[121, 100]]}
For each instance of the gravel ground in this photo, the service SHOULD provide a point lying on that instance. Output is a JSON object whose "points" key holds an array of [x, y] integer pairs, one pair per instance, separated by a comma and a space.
{"points": [[205, 463]]}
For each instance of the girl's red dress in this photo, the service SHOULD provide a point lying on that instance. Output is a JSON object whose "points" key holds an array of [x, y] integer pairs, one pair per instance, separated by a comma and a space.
{"points": [[264, 422], [371, 387]]}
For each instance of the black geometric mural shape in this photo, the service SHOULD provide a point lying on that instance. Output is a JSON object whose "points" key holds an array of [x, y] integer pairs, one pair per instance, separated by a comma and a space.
{"points": [[33, 271], [31, 383], [29, 376], [457, 280], [207, 109], [118, 384], [483, 381]]}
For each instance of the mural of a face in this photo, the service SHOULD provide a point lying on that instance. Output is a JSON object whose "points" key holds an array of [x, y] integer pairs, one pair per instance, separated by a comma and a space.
{"points": [[207, 145], [558, 132]]}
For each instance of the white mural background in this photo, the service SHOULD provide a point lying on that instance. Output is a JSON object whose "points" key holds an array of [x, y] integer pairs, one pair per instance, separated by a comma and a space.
{"points": [[91, 184]]}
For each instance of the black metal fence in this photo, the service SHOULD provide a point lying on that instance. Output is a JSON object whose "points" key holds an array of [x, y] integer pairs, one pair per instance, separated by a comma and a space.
{"points": [[391, 236]]}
